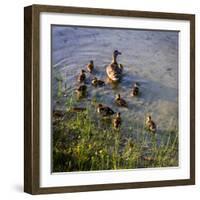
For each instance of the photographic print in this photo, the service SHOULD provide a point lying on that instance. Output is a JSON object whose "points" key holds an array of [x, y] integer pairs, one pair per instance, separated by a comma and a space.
{"points": [[109, 99], [114, 98]]}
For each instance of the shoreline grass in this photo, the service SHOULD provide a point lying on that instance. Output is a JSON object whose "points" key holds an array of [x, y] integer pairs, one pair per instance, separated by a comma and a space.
{"points": [[83, 141]]}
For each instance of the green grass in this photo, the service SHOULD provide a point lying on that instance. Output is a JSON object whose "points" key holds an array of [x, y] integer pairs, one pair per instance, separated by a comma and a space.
{"points": [[83, 141]]}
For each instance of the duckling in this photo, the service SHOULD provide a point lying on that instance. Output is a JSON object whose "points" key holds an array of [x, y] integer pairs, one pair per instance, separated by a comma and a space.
{"points": [[81, 91], [58, 114], [113, 70], [96, 82], [119, 101], [150, 125], [135, 91], [104, 110], [90, 66], [117, 121], [82, 76]]}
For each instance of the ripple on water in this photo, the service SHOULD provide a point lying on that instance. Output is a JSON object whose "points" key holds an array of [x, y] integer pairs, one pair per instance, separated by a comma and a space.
{"points": [[147, 57]]}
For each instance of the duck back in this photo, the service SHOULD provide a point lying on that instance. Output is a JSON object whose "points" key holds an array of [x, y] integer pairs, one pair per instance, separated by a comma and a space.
{"points": [[114, 72]]}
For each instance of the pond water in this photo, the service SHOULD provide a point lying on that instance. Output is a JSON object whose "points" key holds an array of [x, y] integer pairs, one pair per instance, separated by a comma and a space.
{"points": [[149, 58]]}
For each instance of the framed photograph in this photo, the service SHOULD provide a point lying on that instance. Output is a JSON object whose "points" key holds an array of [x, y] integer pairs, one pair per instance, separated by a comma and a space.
{"points": [[109, 99]]}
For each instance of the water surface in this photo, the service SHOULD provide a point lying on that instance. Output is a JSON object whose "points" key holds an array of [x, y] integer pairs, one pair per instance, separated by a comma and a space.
{"points": [[149, 58]]}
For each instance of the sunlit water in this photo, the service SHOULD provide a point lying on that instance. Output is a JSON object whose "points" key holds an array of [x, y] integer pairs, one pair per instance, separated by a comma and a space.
{"points": [[149, 58]]}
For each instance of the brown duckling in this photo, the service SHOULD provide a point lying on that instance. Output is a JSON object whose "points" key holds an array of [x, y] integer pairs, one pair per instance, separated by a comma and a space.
{"points": [[150, 124], [81, 91], [96, 82], [58, 113], [135, 91], [104, 110], [90, 66], [117, 121], [120, 102], [114, 70], [82, 76]]}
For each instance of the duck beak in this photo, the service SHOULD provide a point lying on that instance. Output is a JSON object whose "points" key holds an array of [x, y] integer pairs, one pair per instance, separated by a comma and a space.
{"points": [[119, 53]]}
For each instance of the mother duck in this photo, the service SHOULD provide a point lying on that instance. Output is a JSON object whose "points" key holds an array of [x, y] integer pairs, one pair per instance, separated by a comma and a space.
{"points": [[114, 70]]}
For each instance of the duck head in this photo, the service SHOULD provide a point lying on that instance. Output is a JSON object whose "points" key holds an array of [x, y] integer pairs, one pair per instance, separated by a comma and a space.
{"points": [[81, 88], [95, 81], [114, 57], [149, 118], [116, 53], [118, 114], [117, 97], [100, 105], [136, 84], [91, 62]]}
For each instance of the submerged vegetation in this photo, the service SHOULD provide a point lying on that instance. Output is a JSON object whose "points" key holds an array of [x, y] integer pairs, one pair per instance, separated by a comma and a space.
{"points": [[84, 141]]}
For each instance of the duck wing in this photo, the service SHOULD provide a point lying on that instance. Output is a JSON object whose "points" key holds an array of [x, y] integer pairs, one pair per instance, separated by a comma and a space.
{"points": [[82, 88], [58, 113], [135, 91], [101, 83], [117, 122], [121, 102], [113, 71], [107, 111], [153, 125], [90, 67], [81, 77]]}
